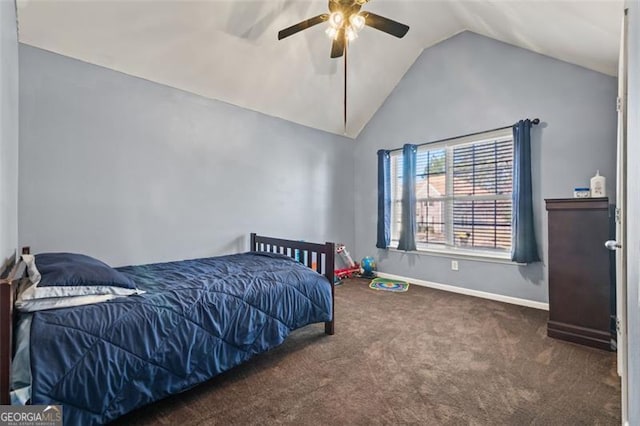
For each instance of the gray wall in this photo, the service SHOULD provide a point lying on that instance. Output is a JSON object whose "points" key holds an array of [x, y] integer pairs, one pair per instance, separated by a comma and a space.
{"points": [[132, 171], [8, 131], [633, 207], [472, 83]]}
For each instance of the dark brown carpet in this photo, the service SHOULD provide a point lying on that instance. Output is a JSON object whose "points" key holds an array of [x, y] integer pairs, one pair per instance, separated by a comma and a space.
{"points": [[421, 357]]}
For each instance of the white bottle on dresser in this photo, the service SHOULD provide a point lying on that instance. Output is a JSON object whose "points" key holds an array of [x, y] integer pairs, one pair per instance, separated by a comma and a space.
{"points": [[598, 185]]}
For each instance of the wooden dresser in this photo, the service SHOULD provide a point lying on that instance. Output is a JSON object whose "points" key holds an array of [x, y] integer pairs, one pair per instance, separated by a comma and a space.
{"points": [[579, 271]]}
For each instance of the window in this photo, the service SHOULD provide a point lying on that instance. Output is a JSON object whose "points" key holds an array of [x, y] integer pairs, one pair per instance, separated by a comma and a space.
{"points": [[463, 194]]}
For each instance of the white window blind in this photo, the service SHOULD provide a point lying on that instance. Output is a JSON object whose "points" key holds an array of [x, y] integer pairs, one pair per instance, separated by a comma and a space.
{"points": [[463, 193]]}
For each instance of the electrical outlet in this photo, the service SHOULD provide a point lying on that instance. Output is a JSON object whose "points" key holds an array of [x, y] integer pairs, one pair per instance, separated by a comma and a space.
{"points": [[454, 265]]}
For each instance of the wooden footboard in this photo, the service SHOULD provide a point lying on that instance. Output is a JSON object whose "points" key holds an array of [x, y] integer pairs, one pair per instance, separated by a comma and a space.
{"points": [[319, 257]]}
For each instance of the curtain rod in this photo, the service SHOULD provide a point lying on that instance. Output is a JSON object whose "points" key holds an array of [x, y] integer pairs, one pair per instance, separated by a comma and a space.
{"points": [[534, 121]]}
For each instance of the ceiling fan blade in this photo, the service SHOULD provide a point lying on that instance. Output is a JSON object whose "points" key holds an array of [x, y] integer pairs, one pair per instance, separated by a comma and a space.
{"points": [[386, 25], [302, 26], [337, 47], [251, 19]]}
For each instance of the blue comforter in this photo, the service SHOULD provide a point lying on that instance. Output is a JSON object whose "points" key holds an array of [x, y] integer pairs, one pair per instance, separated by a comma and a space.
{"points": [[198, 318]]}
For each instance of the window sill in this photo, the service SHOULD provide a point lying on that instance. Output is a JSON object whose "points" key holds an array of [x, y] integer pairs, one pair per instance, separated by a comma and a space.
{"points": [[480, 256]]}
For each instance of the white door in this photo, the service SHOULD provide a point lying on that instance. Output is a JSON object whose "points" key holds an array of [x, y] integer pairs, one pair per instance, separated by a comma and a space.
{"points": [[620, 244]]}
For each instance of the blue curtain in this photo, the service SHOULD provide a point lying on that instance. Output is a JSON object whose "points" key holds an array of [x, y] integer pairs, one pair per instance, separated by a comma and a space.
{"points": [[408, 218], [523, 247], [384, 199]]}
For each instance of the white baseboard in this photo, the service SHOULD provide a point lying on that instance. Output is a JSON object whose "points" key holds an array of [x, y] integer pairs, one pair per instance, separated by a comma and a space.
{"points": [[469, 292]]}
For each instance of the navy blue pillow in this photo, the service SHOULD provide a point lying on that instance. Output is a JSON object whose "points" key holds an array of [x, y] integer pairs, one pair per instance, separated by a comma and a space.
{"points": [[69, 269]]}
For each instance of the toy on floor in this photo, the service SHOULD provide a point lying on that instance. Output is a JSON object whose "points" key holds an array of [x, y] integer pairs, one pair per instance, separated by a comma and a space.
{"points": [[368, 266], [351, 270]]}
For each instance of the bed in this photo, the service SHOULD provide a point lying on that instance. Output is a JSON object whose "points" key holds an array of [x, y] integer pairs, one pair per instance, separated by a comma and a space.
{"points": [[189, 321]]}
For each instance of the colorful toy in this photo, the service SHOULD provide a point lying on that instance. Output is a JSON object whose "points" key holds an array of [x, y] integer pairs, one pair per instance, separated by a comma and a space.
{"points": [[352, 268], [346, 257], [368, 267]]}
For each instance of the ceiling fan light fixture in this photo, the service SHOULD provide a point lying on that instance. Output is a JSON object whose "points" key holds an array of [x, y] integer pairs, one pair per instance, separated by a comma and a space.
{"points": [[331, 32], [345, 21], [357, 21], [350, 33], [336, 19]]}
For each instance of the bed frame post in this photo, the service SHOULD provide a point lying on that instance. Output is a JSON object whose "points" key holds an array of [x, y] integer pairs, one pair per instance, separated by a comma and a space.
{"points": [[252, 242], [8, 283], [329, 326], [6, 341]]}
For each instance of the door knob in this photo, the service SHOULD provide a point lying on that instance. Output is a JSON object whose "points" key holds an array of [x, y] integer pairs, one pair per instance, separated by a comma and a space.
{"points": [[612, 245]]}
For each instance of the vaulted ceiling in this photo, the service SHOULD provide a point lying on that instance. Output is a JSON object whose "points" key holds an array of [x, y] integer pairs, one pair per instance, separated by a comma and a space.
{"points": [[228, 50]]}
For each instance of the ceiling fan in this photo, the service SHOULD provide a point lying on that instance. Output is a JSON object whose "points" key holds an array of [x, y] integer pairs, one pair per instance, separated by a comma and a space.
{"points": [[346, 20]]}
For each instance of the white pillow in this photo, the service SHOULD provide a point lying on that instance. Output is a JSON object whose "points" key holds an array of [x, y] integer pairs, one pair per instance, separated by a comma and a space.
{"points": [[60, 302]]}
